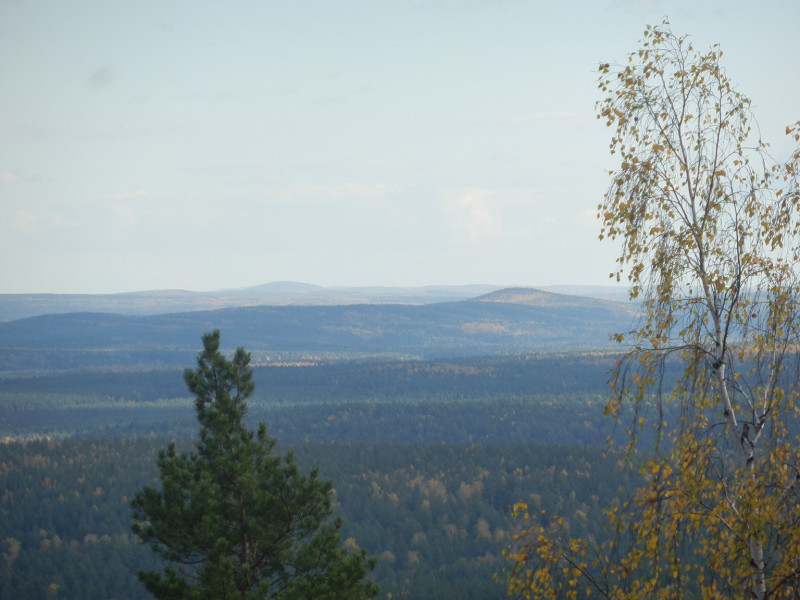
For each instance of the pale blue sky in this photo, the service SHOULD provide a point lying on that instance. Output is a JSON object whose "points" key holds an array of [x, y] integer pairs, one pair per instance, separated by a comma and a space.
{"points": [[203, 145]]}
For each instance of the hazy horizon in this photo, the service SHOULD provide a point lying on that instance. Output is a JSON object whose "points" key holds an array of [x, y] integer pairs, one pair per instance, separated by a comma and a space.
{"points": [[335, 287], [206, 146]]}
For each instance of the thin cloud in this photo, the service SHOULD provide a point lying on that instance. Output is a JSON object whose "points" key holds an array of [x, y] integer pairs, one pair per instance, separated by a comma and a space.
{"points": [[26, 221], [23, 221], [475, 220], [13, 177], [588, 218]]}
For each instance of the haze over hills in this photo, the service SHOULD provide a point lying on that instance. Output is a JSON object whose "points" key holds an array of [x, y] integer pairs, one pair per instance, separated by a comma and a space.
{"points": [[508, 321], [281, 293]]}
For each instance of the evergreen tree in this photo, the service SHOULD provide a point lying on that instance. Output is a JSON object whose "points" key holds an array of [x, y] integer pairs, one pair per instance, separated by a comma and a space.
{"points": [[235, 521]]}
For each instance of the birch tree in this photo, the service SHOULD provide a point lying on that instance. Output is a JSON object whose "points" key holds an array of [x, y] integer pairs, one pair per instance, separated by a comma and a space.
{"points": [[708, 225]]}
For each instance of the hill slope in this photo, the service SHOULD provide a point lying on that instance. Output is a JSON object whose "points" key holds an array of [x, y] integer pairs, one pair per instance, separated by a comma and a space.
{"points": [[279, 293], [505, 322]]}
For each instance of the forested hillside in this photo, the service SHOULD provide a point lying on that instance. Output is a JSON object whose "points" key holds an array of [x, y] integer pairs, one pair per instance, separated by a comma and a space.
{"points": [[279, 293], [427, 458], [432, 421], [547, 398], [496, 324], [437, 516]]}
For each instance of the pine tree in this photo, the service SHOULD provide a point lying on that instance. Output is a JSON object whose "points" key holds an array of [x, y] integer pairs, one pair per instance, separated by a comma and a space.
{"points": [[232, 519]]}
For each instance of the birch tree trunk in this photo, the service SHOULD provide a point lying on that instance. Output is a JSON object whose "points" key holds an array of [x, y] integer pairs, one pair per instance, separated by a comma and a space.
{"points": [[709, 231]]}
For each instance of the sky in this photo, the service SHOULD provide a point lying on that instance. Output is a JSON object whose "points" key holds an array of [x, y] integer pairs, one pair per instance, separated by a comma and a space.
{"points": [[208, 145]]}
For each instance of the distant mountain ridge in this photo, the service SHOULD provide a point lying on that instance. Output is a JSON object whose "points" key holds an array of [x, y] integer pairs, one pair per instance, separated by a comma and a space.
{"points": [[538, 297], [508, 321], [279, 293]]}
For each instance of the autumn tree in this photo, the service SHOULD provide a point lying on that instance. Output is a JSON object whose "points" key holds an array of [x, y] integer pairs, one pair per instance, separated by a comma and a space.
{"points": [[232, 519], [708, 226]]}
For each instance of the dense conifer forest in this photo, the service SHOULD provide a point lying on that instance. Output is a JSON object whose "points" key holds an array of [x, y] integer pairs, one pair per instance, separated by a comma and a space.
{"points": [[436, 515], [427, 458]]}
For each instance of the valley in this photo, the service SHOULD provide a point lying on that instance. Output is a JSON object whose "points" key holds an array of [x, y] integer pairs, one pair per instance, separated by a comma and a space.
{"points": [[433, 420]]}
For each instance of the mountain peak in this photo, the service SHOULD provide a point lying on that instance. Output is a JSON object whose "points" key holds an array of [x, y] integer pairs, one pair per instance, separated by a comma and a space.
{"points": [[527, 296]]}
